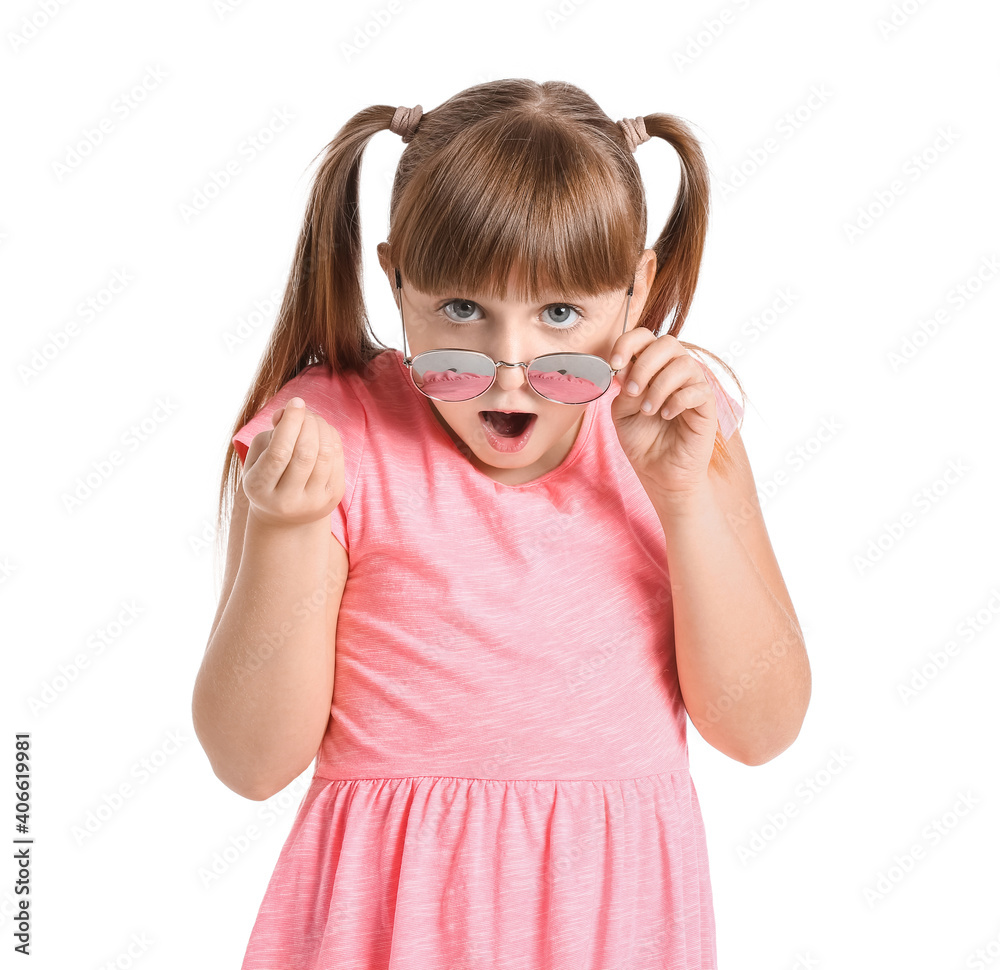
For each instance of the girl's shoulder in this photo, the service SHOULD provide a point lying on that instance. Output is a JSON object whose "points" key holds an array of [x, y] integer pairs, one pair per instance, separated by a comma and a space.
{"points": [[339, 397], [728, 409], [344, 399]]}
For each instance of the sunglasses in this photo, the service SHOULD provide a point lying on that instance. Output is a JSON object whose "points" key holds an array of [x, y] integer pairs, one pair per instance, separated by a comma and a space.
{"points": [[451, 375]]}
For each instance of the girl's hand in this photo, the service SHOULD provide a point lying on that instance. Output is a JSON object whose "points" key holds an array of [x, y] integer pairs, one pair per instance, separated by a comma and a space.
{"points": [[669, 446], [294, 474]]}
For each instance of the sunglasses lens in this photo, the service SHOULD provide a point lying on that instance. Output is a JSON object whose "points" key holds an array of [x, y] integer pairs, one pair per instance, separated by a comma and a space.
{"points": [[452, 375], [570, 378], [459, 375]]}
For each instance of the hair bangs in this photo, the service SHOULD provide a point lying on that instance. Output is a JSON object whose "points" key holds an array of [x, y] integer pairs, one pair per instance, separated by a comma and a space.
{"points": [[517, 208]]}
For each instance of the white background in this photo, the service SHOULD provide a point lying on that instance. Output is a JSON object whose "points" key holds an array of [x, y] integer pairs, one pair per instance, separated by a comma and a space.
{"points": [[828, 378]]}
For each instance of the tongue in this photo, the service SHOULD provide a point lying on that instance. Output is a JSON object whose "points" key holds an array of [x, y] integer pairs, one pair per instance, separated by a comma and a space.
{"points": [[507, 425]]}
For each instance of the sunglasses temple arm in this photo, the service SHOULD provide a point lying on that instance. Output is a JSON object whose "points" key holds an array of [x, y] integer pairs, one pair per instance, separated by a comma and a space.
{"points": [[628, 300], [399, 294]]}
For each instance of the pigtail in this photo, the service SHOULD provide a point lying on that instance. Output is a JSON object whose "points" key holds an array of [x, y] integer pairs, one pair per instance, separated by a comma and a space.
{"points": [[322, 318], [679, 249], [324, 310], [679, 246]]}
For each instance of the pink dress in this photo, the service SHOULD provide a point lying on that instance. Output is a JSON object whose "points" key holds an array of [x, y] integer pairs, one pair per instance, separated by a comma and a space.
{"points": [[504, 778]]}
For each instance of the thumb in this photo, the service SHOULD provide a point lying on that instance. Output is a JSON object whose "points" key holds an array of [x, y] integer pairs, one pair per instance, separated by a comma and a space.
{"points": [[291, 403]]}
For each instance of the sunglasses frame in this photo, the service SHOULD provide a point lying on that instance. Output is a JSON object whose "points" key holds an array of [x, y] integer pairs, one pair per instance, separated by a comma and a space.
{"points": [[498, 363]]}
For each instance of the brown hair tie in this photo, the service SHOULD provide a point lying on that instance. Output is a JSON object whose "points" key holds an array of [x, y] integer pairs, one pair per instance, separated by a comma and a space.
{"points": [[405, 120], [635, 131]]}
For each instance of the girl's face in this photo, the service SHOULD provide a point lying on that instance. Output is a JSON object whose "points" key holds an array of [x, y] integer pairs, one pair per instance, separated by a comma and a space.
{"points": [[513, 331]]}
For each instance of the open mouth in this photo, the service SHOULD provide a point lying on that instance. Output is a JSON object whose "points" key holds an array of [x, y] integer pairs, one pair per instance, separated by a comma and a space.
{"points": [[507, 424], [507, 432]]}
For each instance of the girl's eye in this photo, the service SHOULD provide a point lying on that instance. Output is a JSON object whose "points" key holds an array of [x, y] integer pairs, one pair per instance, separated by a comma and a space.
{"points": [[561, 320], [560, 317], [466, 307]]}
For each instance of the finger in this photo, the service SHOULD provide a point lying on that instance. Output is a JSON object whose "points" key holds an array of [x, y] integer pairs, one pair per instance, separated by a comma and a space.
{"points": [[635, 378], [305, 448], [278, 413], [652, 360], [690, 397], [274, 460], [329, 459], [678, 385], [626, 350]]}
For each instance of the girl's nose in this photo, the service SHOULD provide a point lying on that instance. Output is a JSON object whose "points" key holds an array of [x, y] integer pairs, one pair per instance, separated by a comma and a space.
{"points": [[511, 378]]}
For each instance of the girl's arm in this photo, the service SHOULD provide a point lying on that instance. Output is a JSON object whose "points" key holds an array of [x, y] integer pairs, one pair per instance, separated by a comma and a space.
{"points": [[740, 653], [262, 697]]}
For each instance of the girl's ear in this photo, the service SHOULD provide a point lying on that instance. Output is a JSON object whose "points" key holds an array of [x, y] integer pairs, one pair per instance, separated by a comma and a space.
{"points": [[383, 258], [647, 269], [388, 269], [644, 274]]}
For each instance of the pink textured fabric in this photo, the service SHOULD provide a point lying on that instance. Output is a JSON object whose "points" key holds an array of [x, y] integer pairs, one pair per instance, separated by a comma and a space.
{"points": [[504, 779]]}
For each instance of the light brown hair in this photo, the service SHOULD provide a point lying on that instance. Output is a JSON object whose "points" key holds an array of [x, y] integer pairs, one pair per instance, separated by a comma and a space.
{"points": [[514, 175]]}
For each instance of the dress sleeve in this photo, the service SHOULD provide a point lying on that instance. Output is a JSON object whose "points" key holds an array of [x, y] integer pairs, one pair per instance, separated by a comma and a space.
{"points": [[335, 401], [729, 410]]}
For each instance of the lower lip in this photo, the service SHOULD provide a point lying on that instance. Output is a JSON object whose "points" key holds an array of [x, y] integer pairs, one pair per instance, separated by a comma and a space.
{"points": [[509, 445]]}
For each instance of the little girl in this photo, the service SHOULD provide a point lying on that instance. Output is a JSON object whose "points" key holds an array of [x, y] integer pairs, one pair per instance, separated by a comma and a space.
{"points": [[484, 581]]}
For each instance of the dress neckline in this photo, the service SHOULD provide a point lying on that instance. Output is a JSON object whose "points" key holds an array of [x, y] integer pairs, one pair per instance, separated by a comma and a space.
{"points": [[424, 406]]}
